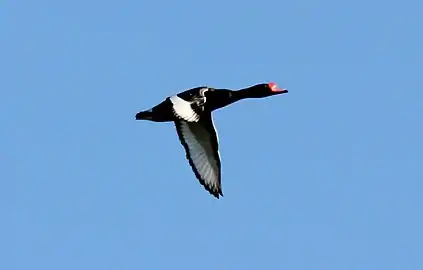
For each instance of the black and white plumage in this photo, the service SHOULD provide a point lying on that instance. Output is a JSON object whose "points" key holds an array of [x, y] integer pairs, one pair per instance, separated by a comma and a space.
{"points": [[198, 136], [190, 109], [191, 112], [201, 146]]}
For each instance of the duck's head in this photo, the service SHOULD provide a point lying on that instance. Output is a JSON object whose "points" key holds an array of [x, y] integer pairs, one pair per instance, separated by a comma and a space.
{"points": [[275, 90], [270, 89], [264, 90]]}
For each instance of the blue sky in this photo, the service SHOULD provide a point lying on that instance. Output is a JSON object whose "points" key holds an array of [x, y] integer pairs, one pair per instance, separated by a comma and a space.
{"points": [[326, 177]]}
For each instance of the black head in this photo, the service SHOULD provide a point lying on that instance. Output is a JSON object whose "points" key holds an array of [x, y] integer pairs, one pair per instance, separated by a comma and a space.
{"points": [[267, 89], [263, 90]]}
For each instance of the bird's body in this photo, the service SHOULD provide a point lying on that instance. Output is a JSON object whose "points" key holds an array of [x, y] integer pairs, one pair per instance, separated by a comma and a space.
{"points": [[191, 112]]}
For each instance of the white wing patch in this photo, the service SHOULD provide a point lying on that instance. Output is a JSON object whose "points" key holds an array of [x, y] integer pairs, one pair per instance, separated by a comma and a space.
{"points": [[203, 159], [183, 109]]}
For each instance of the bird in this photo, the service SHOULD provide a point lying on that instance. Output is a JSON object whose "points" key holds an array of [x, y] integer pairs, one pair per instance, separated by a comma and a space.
{"points": [[191, 113]]}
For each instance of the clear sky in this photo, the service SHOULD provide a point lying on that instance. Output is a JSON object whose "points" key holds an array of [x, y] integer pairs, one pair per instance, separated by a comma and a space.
{"points": [[326, 177]]}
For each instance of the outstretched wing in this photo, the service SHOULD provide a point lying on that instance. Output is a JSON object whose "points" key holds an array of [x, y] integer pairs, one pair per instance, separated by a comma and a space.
{"points": [[183, 109], [201, 145]]}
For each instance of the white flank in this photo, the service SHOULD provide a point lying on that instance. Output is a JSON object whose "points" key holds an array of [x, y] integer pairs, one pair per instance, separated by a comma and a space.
{"points": [[183, 109], [201, 153]]}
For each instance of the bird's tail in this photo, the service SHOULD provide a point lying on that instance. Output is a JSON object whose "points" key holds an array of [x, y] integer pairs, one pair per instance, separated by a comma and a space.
{"points": [[144, 115]]}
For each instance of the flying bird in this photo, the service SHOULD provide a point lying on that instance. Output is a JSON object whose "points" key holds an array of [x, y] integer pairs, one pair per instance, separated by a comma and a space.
{"points": [[191, 113]]}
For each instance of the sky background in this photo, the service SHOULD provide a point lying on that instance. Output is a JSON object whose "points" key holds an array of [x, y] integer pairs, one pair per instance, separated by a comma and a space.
{"points": [[326, 177]]}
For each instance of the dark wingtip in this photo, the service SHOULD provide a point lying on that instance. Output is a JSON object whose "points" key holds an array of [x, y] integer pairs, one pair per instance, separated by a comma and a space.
{"points": [[217, 195]]}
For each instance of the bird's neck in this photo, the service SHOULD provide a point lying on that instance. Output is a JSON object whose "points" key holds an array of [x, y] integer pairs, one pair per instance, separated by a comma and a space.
{"points": [[244, 93], [224, 97]]}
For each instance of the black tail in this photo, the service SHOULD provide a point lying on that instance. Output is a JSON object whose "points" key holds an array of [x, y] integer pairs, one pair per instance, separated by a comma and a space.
{"points": [[144, 115], [159, 113]]}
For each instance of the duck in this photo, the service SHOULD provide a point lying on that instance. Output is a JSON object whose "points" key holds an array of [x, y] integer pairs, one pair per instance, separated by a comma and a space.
{"points": [[191, 113]]}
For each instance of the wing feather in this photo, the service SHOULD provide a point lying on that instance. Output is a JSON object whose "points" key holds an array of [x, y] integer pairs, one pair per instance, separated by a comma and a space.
{"points": [[200, 142], [183, 109]]}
